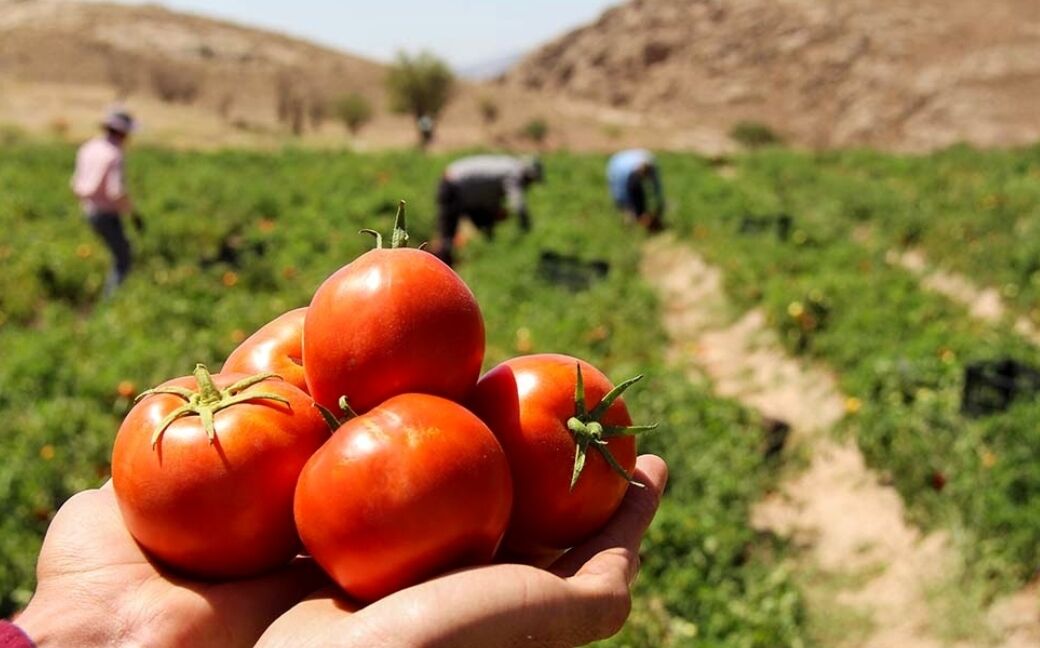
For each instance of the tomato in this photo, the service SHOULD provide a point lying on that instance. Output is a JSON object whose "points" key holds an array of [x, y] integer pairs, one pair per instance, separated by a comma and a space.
{"points": [[215, 501], [392, 321], [561, 496], [276, 347], [414, 488]]}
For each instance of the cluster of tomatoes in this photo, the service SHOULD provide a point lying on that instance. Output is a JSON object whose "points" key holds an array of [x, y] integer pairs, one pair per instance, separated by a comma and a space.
{"points": [[429, 467]]}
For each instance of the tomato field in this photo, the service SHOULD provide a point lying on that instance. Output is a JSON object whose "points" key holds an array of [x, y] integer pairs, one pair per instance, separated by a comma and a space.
{"points": [[233, 239]]}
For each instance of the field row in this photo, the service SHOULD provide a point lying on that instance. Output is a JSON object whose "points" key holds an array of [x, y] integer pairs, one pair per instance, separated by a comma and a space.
{"points": [[788, 231], [233, 239]]}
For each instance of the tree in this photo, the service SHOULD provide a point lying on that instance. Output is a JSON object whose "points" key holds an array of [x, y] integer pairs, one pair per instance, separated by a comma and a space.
{"points": [[420, 86], [536, 130], [290, 102], [354, 110]]}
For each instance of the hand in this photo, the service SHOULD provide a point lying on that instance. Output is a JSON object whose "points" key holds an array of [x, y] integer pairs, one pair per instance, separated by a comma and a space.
{"points": [[583, 597], [96, 587]]}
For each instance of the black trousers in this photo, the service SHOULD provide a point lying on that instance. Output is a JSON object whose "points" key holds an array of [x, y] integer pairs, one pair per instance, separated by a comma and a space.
{"points": [[450, 209], [109, 226]]}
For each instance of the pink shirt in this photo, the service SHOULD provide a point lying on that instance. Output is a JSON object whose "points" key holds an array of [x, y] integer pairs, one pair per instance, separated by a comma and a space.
{"points": [[98, 180]]}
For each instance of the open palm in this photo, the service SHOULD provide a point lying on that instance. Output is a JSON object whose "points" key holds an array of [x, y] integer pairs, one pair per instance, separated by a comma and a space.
{"points": [[581, 597], [96, 587]]}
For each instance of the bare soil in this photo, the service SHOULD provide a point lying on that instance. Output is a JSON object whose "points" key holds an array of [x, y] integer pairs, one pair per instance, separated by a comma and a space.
{"points": [[894, 74], [63, 62], [870, 577], [983, 303]]}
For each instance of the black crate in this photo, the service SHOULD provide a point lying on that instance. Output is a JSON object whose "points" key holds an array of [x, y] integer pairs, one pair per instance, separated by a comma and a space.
{"points": [[991, 386]]}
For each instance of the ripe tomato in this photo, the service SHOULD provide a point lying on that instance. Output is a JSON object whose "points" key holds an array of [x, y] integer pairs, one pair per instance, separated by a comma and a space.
{"points": [[561, 495], [276, 347], [392, 321], [414, 488], [206, 485]]}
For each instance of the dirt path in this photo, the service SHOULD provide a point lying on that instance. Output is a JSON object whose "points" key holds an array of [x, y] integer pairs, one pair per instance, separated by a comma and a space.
{"points": [[869, 575], [983, 304]]}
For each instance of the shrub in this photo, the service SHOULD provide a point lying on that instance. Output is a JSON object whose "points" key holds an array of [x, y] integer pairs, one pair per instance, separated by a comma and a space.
{"points": [[535, 130], [290, 102], [753, 134], [354, 110]]}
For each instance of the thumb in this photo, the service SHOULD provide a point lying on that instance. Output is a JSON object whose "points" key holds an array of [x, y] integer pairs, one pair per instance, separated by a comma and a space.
{"points": [[615, 549]]}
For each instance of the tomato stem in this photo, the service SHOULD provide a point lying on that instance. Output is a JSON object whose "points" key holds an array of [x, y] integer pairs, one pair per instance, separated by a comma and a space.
{"points": [[377, 235], [209, 399], [399, 236], [207, 388], [588, 430], [333, 421]]}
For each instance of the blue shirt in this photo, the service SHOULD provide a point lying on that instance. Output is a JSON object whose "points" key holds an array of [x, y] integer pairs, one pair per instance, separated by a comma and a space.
{"points": [[620, 169]]}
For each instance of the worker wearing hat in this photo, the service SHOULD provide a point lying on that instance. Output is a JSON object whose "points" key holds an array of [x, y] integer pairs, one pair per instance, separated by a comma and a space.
{"points": [[99, 184]]}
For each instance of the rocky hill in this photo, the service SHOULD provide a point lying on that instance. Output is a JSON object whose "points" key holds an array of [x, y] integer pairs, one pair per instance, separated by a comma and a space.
{"points": [[898, 74], [176, 57], [197, 82]]}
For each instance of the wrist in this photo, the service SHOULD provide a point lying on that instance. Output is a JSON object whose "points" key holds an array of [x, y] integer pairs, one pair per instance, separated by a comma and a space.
{"points": [[50, 625]]}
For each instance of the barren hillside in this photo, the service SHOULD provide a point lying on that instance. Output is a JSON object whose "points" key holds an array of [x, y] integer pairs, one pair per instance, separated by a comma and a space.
{"points": [[179, 57], [900, 74], [198, 82]]}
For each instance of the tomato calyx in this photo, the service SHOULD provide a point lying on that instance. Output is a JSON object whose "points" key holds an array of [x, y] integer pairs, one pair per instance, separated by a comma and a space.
{"points": [[334, 422], [399, 237], [209, 399], [588, 430]]}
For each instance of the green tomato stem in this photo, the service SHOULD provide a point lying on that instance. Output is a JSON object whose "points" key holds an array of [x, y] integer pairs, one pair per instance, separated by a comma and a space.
{"points": [[588, 430], [209, 399]]}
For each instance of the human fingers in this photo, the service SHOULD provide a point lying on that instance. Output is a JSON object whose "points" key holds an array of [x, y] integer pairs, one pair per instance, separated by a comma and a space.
{"points": [[505, 606], [87, 534], [251, 605], [615, 549]]}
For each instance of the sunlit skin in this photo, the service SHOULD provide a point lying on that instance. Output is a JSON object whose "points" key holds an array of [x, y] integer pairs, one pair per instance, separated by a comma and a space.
{"points": [[413, 488], [580, 598], [276, 347], [97, 588]]}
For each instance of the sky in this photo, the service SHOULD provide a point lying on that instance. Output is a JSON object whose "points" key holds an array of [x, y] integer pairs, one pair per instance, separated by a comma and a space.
{"points": [[464, 33]]}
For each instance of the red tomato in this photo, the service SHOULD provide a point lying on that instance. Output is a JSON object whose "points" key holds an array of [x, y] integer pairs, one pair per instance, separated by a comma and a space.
{"points": [[215, 503], [414, 488], [393, 321], [528, 403], [277, 347]]}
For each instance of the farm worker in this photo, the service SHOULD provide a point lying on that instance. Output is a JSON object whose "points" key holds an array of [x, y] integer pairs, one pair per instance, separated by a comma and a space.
{"points": [[477, 186], [99, 184], [95, 587], [425, 125], [632, 175]]}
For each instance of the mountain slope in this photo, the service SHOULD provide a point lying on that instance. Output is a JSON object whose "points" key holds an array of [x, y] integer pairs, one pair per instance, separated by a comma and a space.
{"points": [[182, 57], [888, 73]]}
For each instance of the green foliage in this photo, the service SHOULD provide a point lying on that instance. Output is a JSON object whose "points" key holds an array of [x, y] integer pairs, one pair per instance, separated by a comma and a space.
{"points": [[419, 85], [292, 217], [536, 130], [753, 134], [354, 110], [900, 352], [11, 134]]}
